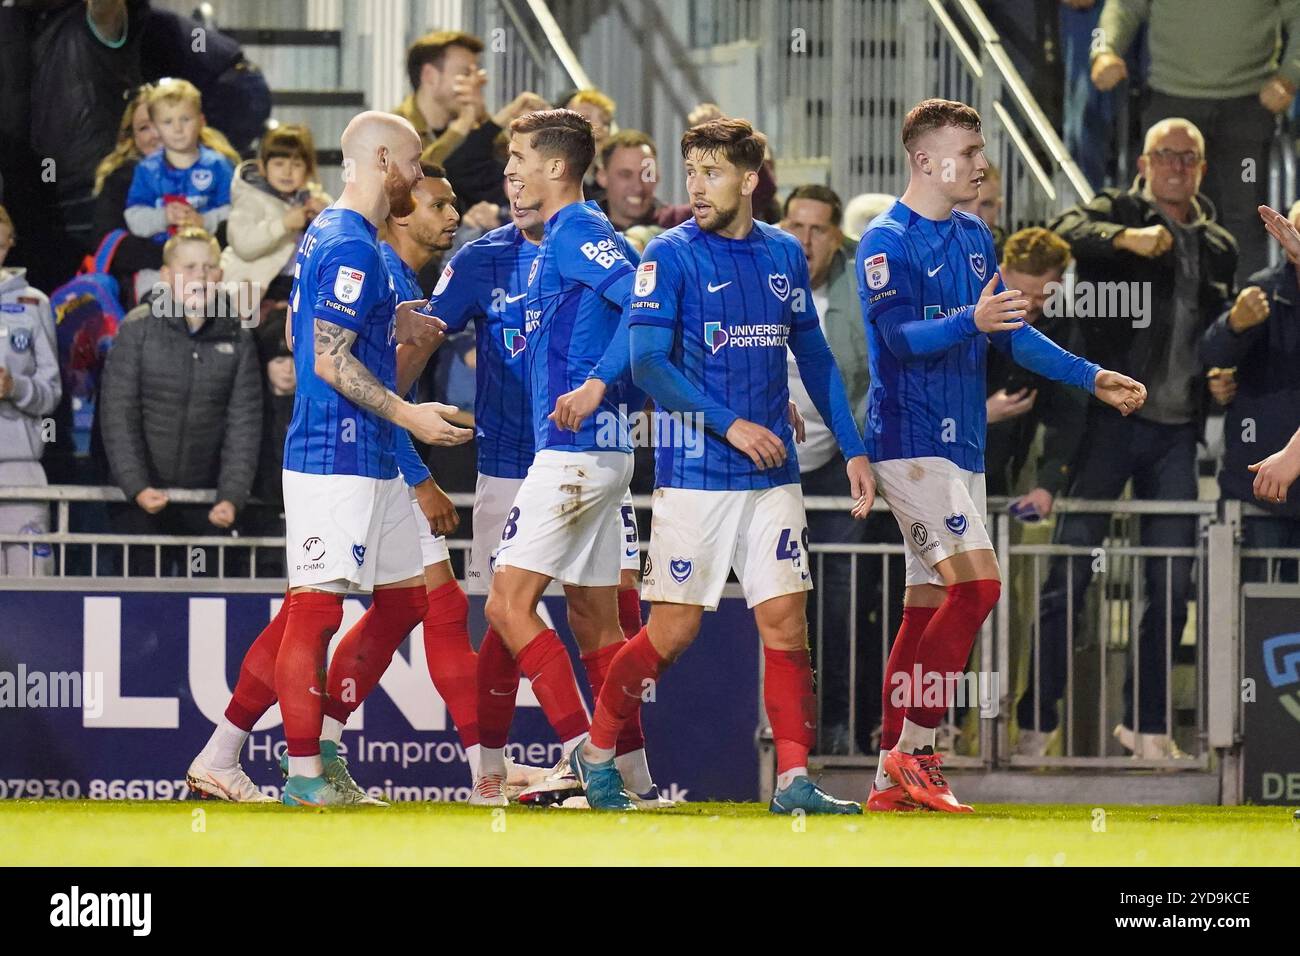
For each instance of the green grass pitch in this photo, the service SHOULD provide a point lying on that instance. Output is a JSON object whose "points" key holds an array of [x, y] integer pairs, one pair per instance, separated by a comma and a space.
{"points": [[208, 833]]}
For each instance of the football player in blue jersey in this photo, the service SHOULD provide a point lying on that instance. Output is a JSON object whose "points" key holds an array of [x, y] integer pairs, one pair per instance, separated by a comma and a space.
{"points": [[349, 525], [932, 302], [564, 523], [718, 301], [486, 282]]}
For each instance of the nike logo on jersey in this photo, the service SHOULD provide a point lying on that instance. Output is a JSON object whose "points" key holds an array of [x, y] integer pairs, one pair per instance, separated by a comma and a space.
{"points": [[718, 288], [932, 272], [515, 298]]}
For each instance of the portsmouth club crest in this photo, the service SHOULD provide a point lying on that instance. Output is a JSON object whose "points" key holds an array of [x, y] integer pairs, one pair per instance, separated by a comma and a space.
{"points": [[955, 523], [779, 283], [715, 336], [680, 569], [978, 264], [532, 271], [202, 179]]}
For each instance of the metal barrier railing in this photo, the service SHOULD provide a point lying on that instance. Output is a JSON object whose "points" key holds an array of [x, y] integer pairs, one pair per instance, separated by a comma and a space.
{"points": [[1203, 656]]}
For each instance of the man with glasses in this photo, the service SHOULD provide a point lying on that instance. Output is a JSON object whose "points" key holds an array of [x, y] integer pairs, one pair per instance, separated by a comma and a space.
{"points": [[1154, 271]]}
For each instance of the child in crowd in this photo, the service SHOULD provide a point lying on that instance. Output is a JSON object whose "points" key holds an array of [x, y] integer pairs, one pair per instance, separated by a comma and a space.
{"points": [[274, 199], [29, 391], [185, 184]]}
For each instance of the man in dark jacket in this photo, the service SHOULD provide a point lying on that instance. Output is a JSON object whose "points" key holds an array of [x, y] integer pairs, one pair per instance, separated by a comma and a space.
{"points": [[1154, 271], [1259, 337], [181, 405], [1033, 261]]}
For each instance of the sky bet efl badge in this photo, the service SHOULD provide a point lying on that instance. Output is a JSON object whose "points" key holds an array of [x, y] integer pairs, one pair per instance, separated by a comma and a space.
{"points": [[645, 278], [347, 284], [877, 270]]}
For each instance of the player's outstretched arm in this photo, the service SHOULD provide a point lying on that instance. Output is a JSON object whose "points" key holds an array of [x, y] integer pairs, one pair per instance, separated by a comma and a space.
{"points": [[1280, 228], [1276, 473], [336, 365]]}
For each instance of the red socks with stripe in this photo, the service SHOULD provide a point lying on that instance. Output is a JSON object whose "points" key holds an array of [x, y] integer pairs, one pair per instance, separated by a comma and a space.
{"points": [[620, 698], [366, 651], [453, 665], [791, 706], [546, 664], [945, 644], [901, 657], [255, 690], [597, 664], [300, 667], [497, 683]]}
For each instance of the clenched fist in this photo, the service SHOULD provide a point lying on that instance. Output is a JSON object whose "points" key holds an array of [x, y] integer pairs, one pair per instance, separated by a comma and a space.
{"points": [[1107, 71], [1150, 242], [1250, 309]]}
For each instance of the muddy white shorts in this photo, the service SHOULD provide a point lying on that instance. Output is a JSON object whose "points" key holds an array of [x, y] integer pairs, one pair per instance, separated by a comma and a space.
{"points": [[566, 521], [940, 509]]}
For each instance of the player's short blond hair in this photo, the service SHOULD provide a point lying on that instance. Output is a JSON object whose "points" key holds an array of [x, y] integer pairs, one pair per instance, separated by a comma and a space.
{"points": [[171, 91], [1035, 251], [191, 234]]}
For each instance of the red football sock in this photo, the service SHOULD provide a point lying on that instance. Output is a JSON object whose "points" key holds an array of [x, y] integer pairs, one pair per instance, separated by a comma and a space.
{"points": [[300, 667], [791, 705], [629, 611], [453, 665], [946, 643], [901, 657], [620, 700], [597, 663], [497, 682], [546, 663], [366, 651], [255, 690]]}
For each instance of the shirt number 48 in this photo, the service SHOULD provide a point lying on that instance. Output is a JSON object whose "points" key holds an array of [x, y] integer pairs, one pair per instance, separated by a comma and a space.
{"points": [[791, 548]]}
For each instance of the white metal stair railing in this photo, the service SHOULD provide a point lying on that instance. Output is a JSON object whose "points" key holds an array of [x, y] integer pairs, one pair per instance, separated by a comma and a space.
{"points": [[844, 74]]}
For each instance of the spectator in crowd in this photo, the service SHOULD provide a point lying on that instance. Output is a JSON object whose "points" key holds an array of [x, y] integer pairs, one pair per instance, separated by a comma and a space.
{"points": [[66, 68], [598, 110], [1033, 261], [181, 404], [279, 379], [447, 109], [1218, 65], [273, 200], [812, 215], [1258, 341], [1089, 115], [627, 172], [863, 208], [29, 391], [988, 207], [137, 137], [1158, 242], [185, 183], [235, 91]]}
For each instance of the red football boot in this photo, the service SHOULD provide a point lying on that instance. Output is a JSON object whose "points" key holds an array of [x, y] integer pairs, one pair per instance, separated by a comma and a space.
{"points": [[895, 798], [920, 775]]}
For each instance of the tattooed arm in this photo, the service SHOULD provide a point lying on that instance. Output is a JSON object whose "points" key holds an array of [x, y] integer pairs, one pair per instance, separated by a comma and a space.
{"points": [[336, 365]]}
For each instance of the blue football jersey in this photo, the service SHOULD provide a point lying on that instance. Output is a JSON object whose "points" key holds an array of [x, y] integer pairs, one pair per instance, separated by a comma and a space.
{"points": [[205, 185], [486, 282], [734, 305], [406, 287], [913, 268], [340, 277], [578, 287]]}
